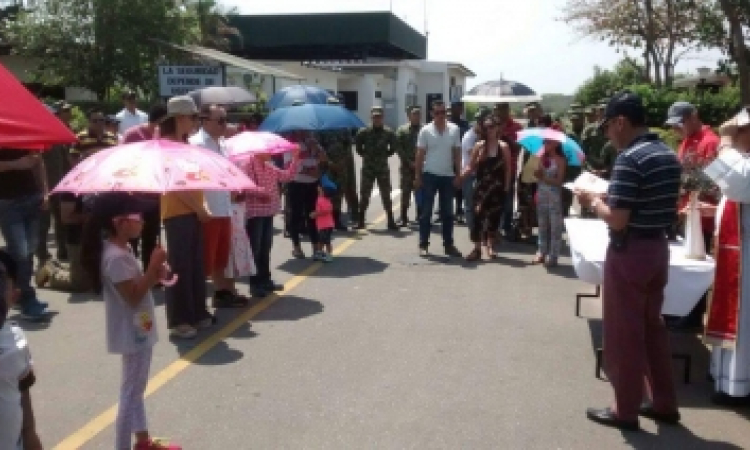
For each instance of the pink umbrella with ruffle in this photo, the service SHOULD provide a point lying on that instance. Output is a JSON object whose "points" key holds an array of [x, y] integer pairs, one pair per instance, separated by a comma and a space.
{"points": [[155, 166], [243, 146]]}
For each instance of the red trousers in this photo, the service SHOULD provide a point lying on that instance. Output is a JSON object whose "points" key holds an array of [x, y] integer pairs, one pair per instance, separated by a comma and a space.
{"points": [[636, 344]]}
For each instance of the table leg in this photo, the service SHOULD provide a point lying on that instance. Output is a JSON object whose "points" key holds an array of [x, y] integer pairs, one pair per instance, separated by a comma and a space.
{"points": [[580, 296]]}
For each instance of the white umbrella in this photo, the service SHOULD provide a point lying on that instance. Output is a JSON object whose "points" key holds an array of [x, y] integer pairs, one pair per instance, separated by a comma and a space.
{"points": [[222, 95], [501, 91]]}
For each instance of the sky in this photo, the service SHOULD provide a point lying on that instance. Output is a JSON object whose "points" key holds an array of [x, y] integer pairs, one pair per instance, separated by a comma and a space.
{"points": [[519, 40]]}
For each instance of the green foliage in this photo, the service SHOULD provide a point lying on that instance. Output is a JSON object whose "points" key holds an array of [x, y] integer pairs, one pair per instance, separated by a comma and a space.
{"points": [[714, 107], [605, 82], [106, 44]]}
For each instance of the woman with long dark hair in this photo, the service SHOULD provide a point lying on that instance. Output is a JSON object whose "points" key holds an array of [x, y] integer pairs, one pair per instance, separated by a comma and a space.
{"points": [[303, 192], [182, 214], [491, 163], [550, 176]]}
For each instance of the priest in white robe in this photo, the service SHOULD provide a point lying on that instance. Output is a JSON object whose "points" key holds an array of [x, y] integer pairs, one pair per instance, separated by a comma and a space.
{"points": [[728, 323]]}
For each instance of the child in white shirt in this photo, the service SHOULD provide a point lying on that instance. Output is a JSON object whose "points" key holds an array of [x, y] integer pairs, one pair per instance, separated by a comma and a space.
{"points": [[17, 425], [129, 306]]}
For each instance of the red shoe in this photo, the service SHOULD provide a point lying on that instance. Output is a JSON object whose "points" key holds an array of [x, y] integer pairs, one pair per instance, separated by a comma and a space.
{"points": [[156, 444]]}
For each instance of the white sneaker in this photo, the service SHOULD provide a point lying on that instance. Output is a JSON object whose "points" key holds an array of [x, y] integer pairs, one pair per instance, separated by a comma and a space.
{"points": [[184, 332]]}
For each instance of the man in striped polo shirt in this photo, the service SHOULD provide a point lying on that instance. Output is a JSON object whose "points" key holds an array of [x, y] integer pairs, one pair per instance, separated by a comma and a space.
{"points": [[640, 205]]}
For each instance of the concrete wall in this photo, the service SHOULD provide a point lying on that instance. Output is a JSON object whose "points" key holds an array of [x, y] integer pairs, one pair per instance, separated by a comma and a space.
{"points": [[365, 86]]}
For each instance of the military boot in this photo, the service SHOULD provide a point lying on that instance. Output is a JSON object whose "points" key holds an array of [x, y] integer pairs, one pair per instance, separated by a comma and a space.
{"points": [[392, 225], [361, 221]]}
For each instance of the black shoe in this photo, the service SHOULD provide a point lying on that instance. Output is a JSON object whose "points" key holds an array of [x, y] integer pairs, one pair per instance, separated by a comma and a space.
{"points": [[451, 250], [647, 410], [271, 286], [722, 399], [460, 219], [258, 292], [608, 418], [226, 299]]}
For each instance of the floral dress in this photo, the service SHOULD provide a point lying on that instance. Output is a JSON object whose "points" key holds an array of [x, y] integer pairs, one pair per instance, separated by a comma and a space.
{"points": [[241, 260], [489, 195]]}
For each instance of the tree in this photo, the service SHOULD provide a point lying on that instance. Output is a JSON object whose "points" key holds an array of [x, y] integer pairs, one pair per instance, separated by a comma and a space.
{"points": [[663, 30], [730, 36], [99, 44], [604, 82]]}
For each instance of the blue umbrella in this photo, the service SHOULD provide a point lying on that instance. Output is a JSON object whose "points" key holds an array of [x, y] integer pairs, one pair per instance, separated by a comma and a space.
{"points": [[532, 139], [299, 94], [310, 118]]}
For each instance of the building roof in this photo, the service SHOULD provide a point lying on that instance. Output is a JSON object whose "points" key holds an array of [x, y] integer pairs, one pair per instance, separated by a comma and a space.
{"points": [[327, 37], [232, 60], [390, 63]]}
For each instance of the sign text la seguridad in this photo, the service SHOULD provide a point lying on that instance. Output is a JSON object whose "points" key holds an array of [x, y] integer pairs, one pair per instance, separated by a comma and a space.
{"points": [[179, 80]]}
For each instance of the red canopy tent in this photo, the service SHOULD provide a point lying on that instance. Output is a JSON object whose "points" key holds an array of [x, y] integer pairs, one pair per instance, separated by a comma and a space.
{"points": [[25, 123]]}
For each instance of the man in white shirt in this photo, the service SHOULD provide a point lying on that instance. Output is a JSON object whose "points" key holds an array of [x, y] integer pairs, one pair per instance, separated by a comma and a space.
{"points": [[217, 231], [130, 116], [468, 142], [437, 172]]}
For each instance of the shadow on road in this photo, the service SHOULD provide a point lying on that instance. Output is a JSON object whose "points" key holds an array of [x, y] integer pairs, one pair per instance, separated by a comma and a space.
{"points": [[290, 308], [398, 234], [343, 266], [219, 355], [674, 437], [33, 325]]}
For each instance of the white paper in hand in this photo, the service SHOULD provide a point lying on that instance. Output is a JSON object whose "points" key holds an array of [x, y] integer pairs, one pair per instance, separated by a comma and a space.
{"points": [[725, 168], [588, 182]]}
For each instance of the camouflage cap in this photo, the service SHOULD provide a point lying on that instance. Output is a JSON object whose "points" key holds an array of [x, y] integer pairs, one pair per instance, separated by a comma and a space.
{"points": [[376, 111], [333, 101], [412, 109], [576, 113], [575, 107], [603, 103]]}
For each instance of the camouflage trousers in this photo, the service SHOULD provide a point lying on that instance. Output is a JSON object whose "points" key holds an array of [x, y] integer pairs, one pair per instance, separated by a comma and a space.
{"points": [[407, 186], [369, 177], [340, 177], [350, 189]]}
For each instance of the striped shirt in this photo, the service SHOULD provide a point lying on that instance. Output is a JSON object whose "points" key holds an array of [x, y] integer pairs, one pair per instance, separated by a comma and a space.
{"points": [[646, 180]]}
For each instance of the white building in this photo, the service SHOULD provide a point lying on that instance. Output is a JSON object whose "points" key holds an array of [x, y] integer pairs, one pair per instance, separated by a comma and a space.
{"points": [[394, 85]]}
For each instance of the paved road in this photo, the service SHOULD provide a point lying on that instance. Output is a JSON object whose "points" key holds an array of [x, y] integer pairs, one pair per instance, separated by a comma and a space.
{"points": [[380, 349]]}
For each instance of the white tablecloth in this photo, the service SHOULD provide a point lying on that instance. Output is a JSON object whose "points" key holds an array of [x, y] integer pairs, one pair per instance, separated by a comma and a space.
{"points": [[688, 279]]}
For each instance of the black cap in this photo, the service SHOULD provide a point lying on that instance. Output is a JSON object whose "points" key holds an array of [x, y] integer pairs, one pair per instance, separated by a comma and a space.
{"points": [[457, 104], [625, 104], [129, 94]]}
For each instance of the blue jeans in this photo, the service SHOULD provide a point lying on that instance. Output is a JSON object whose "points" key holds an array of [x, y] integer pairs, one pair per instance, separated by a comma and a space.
{"points": [[510, 197], [19, 224], [468, 191], [443, 186]]}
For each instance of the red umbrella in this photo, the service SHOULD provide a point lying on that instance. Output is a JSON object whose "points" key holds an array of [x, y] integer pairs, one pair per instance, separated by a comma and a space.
{"points": [[25, 123]]}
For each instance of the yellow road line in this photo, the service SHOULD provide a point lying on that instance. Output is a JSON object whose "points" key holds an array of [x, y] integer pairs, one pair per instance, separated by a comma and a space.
{"points": [[99, 423]]}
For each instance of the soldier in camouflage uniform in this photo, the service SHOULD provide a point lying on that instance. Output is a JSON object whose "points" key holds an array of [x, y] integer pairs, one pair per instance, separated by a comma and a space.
{"points": [[375, 144], [407, 151], [572, 172], [338, 147], [600, 153]]}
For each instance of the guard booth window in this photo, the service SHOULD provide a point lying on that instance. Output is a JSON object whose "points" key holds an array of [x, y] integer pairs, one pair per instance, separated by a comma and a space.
{"points": [[351, 101]]}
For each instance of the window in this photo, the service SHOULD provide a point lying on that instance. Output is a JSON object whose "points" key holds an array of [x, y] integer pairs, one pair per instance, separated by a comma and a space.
{"points": [[378, 94]]}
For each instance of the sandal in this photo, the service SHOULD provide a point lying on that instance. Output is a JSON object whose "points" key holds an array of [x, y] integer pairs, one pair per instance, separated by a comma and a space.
{"points": [[298, 253], [539, 259], [475, 255]]}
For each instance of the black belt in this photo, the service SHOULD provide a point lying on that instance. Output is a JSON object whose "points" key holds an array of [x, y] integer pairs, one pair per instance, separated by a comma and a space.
{"points": [[655, 233]]}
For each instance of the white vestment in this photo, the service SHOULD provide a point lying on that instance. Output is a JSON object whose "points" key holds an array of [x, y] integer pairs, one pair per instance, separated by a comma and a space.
{"points": [[730, 367]]}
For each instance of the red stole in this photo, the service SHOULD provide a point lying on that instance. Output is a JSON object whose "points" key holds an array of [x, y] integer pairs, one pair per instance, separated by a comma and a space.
{"points": [[724, 307]]}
